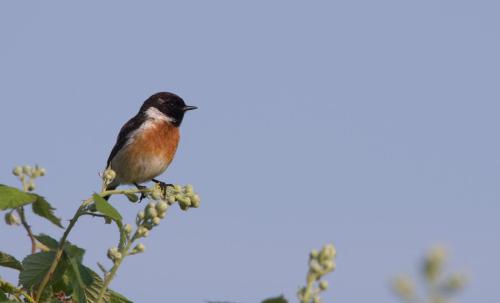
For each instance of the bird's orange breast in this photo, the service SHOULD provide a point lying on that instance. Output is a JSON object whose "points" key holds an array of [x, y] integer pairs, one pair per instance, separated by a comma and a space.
{"points": [[159, 140]]}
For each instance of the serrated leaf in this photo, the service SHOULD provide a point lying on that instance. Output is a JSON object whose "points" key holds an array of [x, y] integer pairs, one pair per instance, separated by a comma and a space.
{"points": [[105, 208], [35, 267], [81, 277], [7, 260], [74, 251], [280, 299], [118, 298], [11, 197], [43, 208], [47, 241], [92, 290]]}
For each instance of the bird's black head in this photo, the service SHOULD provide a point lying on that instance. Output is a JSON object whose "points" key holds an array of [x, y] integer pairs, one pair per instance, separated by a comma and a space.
{"points": [[166, 106]]}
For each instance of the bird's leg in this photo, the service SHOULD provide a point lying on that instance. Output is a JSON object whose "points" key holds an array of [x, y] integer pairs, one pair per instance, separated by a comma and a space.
{"points": [[141, 187], [163, 185]]}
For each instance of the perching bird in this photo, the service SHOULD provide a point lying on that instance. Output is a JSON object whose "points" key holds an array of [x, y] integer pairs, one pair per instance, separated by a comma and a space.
{"points": [[147, 143]]}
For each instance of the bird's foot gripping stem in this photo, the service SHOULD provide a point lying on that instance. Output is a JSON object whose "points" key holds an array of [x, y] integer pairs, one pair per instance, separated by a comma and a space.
{"points": [[163, 185], [141, 187]]}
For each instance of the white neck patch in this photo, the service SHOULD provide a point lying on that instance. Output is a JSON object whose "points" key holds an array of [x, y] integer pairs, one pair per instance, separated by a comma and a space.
{"points": [[154, 114]]}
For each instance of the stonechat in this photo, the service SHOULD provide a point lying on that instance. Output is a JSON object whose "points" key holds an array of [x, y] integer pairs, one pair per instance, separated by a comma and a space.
{"points": [[147, 143]]}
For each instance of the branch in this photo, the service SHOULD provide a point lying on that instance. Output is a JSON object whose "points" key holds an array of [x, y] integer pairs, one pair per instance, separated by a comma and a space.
{"points": [[27, 227]]}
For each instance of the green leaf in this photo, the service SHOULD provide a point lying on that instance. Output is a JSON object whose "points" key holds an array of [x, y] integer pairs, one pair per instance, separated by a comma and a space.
{"points": [[73, 251], [11, 197], [47, 241], [7, 260], [81, 277], [105, 208], [43, 208], [280, 299], [118, 298], [92, 290], [35, 267]]}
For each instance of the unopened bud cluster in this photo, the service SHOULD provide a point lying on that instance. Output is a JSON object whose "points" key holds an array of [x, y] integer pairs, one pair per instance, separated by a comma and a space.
{"points": [[440, 288], [320, 263], [184, 195], [27, 174], [114, 254]]}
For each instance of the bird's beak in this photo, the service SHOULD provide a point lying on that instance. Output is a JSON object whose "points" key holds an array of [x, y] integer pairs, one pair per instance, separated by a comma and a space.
{"points": [[188, 107]]}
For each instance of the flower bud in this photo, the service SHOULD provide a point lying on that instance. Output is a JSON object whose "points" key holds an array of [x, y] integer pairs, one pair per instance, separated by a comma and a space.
{"points": [[156, 194], [195, 200], [140, 215], [185, 202], [162, 215], [109, 175], [11, 219], [142, 232], [314, 254], [189, 189], [314, 266], [112, 253], [151, 212], [139, 248], [27, 169], [177, 188], [31, 186], [329, 251], [42, 171], [171, 199], [323, 285], [161, 207], [128, 228], [329, 265], [156, 220], [17, 171]]}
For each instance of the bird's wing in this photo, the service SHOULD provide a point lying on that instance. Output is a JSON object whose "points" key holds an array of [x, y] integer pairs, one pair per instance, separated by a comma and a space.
{"points": [[125, 132]]}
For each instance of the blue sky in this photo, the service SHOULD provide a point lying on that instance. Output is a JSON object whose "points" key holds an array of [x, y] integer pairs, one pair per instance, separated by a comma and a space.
{"points": [[369, 124]]}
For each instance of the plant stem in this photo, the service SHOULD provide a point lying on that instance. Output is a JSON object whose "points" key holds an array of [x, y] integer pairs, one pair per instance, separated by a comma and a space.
{"points": [[111, 274], [27, 227]]}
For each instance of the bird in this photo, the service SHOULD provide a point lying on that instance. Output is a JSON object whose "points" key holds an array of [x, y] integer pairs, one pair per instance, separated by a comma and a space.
{"points": [[147, 143]]}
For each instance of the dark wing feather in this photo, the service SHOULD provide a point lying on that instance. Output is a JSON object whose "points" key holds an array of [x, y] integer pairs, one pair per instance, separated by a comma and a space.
{"points": [[129, 127]]}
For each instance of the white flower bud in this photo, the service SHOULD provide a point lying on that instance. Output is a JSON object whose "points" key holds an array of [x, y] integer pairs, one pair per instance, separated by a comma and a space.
{"points": [[189, 189], [31, 186], [139, 248], [11, 219], [329, 265], [151, 212], [315, 266], [156, 194], [140, 215], [314, 254], [161, 207], [171, 199], [177, 188], [109, 175], [329, 251], [27, 169], [17, 171], [162, 215], [42, 171], [128, 228], [195, 199], [323, 285], [156, 220], [142, 231]]}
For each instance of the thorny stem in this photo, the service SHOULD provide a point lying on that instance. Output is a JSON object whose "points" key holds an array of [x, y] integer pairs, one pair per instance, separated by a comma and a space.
{"points": [[62, 242], [27, 227]]}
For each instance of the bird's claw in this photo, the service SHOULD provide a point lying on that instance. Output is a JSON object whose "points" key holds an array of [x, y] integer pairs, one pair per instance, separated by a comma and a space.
{"points": [[143, 195], [163, 186]]}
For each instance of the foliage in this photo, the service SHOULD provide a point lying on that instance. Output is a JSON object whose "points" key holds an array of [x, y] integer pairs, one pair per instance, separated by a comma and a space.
{"points": [[440, 287], [54, 271]]}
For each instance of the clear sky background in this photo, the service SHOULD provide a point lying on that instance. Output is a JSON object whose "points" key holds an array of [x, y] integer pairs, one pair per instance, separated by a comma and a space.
{"points": [[371, 124]]}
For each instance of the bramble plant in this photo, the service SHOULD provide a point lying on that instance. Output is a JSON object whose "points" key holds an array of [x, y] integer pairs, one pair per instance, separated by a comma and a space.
{"points": [[54, 271], [439, 287]]}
